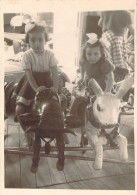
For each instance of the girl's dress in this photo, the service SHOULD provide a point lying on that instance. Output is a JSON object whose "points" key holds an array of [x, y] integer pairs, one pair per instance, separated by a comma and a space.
{"points": [[118, 54], [98, 71], [41, 65]]}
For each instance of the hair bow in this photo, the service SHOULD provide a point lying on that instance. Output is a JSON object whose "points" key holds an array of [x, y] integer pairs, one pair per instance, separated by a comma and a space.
{"points": [[31, 25], [93, 39]]}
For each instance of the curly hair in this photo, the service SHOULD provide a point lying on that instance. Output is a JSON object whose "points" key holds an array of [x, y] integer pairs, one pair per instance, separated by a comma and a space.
{"points": [[88, 45], [37, 28]]}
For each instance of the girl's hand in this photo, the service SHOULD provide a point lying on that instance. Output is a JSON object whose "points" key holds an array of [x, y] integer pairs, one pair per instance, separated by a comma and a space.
{"points": [[41, 88]]}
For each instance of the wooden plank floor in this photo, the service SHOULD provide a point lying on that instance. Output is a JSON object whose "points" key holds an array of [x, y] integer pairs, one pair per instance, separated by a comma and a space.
{"points": [[77, 174], [120, 182]]}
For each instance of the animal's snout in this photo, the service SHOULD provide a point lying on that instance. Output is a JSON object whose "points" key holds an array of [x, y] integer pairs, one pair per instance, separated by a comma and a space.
{"points": [[109, 126], [106, 125], [46, 93]]}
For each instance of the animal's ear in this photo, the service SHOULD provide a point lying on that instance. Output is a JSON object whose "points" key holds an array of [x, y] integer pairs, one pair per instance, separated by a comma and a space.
{"points": [[95, 87], [125, 86]]}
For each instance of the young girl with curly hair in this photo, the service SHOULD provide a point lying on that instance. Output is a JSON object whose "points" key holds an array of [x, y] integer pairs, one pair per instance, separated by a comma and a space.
{"points": [[94, 63]]}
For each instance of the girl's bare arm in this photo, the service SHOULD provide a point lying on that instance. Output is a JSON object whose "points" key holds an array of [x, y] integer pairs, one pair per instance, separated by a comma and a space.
{"points": [[55, 77], [109, 82]]}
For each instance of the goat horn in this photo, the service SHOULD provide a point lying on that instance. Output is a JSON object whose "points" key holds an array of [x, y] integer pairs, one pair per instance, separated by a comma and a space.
{"points": [[95, 86], [66, 130], [125, 86]]}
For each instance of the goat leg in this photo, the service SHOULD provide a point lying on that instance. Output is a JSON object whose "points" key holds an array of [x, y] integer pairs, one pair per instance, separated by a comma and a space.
{"points": [[36, 154], [95, 141], [122, 142], [60, 145], [98, 156]]}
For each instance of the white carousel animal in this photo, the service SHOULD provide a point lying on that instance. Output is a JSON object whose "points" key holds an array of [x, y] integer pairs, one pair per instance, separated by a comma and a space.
{"points": [[104, 115]]}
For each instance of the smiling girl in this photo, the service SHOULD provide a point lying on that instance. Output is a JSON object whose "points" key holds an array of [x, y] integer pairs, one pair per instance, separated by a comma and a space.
{"points": [[95, 64]]}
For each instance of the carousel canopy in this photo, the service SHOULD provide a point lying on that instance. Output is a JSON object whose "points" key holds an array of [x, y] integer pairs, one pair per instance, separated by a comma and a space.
{"points": [[14, 36]]}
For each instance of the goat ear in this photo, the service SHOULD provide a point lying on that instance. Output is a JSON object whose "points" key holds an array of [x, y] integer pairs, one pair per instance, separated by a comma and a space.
{"points": [[95, 87], [125, 86]]}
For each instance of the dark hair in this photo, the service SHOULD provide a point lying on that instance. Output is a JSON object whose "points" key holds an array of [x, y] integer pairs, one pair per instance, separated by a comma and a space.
{"points": [[8, 41], [37, 28], [117, 21], [88, 45]]}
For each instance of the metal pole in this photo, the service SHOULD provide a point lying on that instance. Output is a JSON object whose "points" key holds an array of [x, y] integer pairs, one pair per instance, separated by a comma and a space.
{"points": [[69, 157], [77, 148]]}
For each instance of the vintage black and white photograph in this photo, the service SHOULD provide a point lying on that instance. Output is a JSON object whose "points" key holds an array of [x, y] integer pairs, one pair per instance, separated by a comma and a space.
{"points": [[69, 100]]}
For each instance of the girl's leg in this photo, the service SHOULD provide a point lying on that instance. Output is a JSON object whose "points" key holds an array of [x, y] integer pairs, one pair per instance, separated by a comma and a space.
{"points": [[19, 85], [21, 109], [76, 117], [76, 105]]}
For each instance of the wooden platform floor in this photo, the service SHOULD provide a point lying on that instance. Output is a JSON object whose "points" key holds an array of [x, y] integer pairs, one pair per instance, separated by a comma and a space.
{"points": [[77, 174]]}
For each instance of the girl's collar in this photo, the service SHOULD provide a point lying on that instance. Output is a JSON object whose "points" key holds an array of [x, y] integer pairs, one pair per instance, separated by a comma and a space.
{"points": [[100, 60], [38, 53]]}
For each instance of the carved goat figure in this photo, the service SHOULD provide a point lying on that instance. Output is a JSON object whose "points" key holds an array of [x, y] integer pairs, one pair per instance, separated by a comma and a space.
{"points": [[46, 121]]}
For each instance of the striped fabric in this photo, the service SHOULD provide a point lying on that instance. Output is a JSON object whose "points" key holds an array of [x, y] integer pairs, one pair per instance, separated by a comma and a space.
{"points": [[39, 62], [120, 74]]}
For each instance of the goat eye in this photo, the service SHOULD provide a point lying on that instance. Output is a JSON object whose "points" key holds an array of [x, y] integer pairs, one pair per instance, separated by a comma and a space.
{"points": [[98, 107]]}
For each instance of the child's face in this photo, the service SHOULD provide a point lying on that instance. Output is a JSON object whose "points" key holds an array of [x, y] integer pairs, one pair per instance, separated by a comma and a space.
{"points": [[37, 41], [93, 55], [24, 46]]}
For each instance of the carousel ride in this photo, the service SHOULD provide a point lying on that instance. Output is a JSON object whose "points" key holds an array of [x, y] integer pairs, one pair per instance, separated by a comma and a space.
{"points": [[103, 114]]}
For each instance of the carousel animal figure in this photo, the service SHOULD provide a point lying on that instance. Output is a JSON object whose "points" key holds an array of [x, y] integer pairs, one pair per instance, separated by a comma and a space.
{"points": [[46, 120], [102, 121], [99, 118]]}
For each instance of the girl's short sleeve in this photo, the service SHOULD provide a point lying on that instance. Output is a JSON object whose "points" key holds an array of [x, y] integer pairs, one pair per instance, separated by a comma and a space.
{"points": [[53, 60], [26, 61], [107, 67]]}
